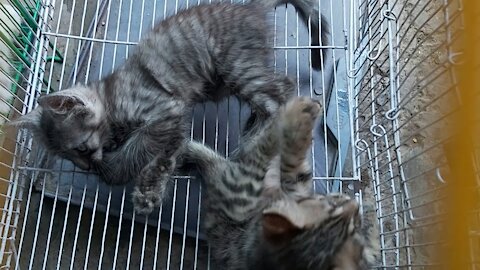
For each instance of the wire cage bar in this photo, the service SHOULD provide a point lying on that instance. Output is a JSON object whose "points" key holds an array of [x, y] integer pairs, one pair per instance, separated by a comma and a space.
{"points": [[406, 96], [66, 218], [388, 85]]}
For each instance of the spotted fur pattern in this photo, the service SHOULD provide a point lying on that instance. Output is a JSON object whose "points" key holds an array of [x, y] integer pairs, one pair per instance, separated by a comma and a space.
{"points": [[261, 212]]}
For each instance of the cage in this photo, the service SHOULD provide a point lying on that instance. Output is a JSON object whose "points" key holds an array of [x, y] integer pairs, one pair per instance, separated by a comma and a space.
{"points": [[387, 85]]}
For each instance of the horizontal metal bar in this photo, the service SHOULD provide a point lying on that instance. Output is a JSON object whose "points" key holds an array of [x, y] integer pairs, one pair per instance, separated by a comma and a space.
{"points": [[132, 43]]}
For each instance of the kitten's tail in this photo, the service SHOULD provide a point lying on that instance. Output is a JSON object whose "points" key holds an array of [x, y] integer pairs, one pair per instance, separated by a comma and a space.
{"points": [[318, 24], [206, 160]]}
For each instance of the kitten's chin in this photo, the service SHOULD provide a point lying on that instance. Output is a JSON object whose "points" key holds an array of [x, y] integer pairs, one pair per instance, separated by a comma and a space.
{"points": [[82, 164]]}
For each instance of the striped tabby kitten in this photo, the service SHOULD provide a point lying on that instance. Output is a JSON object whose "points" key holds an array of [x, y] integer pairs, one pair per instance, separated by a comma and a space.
{"points": [[261, 212], [131, 124]]}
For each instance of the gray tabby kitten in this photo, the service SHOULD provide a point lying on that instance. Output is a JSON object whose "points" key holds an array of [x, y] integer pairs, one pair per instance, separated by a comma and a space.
{"points": [[261, 212], [131, 124]]}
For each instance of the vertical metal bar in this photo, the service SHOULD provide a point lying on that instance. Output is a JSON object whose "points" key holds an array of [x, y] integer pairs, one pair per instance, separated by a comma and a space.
{"points": [[144, 238], [378, 198], [198, 227], [129, 25], [352, 43], [155, 257], [37, 226], [62, 241], [154, 13], [130, 240], [165, 9], [172, 220], [116, 34], [102, 248], [104, 37], [75, 68], [22, 234], [394, 196], [77, 230], [324, 98], [90, 233], [343, 72], [208, 260], [337, 186], [182, 256], [357, 73], [285, 52], [120, 219], [67, 43], [52, 218], [90, 54], [297, 54], [275, 38], [142, 12]]}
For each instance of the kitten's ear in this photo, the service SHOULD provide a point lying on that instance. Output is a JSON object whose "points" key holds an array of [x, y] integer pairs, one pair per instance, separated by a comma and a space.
{"points": [[279, 227], [61, 102], [30, 120]]}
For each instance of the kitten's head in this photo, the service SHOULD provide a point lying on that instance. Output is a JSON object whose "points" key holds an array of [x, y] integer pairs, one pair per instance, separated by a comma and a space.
{"points": [[70, 123], [318, 211], [307, 233]]}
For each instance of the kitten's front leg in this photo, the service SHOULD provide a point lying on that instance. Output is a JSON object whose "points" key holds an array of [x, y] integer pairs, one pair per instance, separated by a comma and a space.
{"points": [[163, 137], [151, 184], [297, 122]]}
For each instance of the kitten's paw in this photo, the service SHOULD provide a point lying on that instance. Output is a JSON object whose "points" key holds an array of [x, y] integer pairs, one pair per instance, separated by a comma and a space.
{"points": [[303, 107], [145, 202], [299, 118]]}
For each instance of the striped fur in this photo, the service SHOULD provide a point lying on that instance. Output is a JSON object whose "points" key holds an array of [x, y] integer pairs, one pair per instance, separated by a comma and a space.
{"points": [[260, 210], [131, 124]]}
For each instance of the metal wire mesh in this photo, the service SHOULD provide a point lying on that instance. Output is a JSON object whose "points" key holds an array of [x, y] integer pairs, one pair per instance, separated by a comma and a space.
{"points": [[19, 46], [66, 218], [406, 95], [387, 84]]}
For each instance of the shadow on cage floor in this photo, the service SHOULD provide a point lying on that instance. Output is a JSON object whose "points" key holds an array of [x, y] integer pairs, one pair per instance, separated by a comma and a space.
{"points": [[58, 245]]}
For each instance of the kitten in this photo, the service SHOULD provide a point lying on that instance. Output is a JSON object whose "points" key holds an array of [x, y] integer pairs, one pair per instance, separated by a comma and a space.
{"points": [[261, 212], [131, 124]]}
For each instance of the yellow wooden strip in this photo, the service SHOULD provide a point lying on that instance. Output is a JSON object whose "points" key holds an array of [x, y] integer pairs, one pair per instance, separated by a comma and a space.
{"points": [[463, 190]]}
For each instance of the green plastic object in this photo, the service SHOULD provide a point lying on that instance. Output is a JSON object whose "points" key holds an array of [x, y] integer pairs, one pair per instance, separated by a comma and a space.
{"points": [[30, 17]]}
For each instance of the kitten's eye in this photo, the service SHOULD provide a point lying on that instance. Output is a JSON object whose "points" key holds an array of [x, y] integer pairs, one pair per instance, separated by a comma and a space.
{"points": [[110, 146], [82, 148]]}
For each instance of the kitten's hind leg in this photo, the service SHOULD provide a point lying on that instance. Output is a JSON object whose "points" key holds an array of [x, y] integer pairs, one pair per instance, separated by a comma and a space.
{"points": [[296, 124]]}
